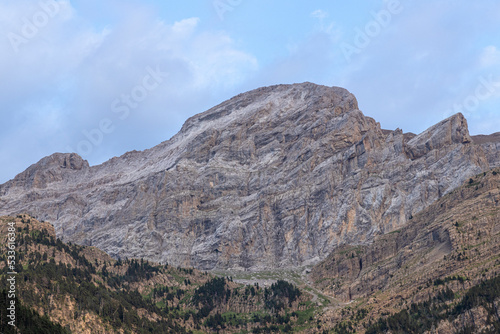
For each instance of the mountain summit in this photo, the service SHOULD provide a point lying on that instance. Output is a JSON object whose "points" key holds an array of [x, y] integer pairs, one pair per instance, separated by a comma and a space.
{"points": [[276, 177]]}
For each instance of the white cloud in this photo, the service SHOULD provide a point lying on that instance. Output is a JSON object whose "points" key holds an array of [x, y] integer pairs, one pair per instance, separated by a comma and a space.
{"points": [[324, 26], [185, 28], [490, 56], [64, 78], [319, 14]]}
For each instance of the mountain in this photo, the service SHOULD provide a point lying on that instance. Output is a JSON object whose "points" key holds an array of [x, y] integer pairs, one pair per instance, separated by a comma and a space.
{"points": [[438, 274], [277, 177]]}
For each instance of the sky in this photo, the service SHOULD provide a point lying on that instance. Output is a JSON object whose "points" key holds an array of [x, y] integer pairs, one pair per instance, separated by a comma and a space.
{"points": [[101, 78]]}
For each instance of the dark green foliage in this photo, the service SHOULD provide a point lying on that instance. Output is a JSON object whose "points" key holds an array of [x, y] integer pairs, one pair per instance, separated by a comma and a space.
{"points": [[207, 296], [27, 320], [216, 292], [419, 317], [360, 314], [440, 281], [275, 296], [216, 321], [483, 295], [188, 271], [344, 328], [139, 271]]}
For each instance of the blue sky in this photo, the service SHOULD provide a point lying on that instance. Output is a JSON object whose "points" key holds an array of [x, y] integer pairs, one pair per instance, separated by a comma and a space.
{"points": [[102, 79]]}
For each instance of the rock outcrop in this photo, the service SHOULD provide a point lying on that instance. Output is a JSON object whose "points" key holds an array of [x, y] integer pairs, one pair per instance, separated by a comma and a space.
{"points": [[450, 131], [276, 177]]}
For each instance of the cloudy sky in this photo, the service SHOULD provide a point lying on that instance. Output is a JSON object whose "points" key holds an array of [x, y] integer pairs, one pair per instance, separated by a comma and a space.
{"points": [[101, 78]]}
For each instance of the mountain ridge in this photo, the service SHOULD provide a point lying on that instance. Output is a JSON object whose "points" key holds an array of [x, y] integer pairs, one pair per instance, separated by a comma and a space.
{"points": [[273, 178]]}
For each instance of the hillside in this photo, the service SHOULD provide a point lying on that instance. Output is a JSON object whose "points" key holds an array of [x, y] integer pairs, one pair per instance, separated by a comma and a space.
{"points": [[67, 288], [274, 178], [440, 273]]}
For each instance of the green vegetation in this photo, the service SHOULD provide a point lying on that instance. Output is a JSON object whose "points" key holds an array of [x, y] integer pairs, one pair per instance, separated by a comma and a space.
{"points": [[473, 184], [276, 315], [280, 291], [27, 321], [211, 293]]}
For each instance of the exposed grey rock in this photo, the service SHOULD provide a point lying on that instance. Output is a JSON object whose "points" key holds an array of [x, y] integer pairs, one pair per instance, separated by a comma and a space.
{"points": [[276, 177], [50, 169], [491, 145], [447, 132]]}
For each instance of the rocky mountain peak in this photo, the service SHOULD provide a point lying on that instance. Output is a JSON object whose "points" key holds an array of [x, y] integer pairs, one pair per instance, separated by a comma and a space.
{"points": [[50, 169], [63, 160], [449, 131], [294, 97]]}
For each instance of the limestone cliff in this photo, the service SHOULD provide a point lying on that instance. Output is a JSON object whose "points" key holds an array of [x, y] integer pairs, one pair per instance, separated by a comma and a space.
{"points": [[272, 178]]}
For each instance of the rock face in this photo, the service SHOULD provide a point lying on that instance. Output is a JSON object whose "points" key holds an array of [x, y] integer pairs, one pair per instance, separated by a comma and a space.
{"points": [[491, 145], [272, 178], [458, 234]]}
